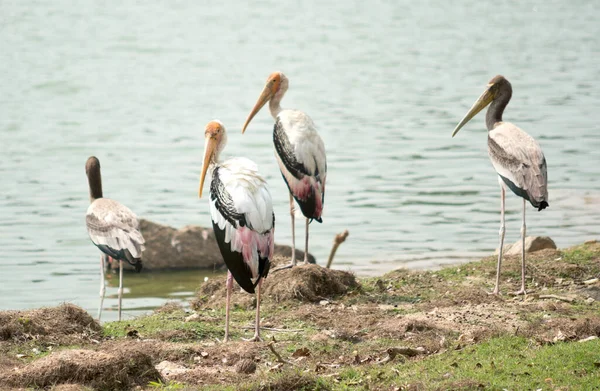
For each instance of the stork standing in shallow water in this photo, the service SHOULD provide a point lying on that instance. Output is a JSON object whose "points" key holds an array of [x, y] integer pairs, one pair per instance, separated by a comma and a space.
{"points": [[113, 228], [300, 153], [242, 216], [517, 158]]}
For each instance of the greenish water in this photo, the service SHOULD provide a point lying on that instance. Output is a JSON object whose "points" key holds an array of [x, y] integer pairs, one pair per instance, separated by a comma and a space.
{"points": [[134, 83]]}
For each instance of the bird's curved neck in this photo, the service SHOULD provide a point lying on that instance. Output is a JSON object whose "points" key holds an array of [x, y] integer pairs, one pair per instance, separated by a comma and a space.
{"points": [[496, 109], [275, 104], [95, 184]]}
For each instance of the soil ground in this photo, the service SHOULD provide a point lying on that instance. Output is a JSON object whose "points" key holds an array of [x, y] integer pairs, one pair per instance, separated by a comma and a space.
{"points": [[327, 330]]}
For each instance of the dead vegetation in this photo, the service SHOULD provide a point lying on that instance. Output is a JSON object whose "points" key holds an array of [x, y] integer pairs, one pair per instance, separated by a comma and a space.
{"points": [[322, 328], [66, 323]]}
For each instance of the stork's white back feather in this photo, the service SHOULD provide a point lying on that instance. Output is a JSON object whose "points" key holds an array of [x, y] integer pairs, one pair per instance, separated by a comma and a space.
{"points": [[309, 148], [251, 197], [113, 224]]}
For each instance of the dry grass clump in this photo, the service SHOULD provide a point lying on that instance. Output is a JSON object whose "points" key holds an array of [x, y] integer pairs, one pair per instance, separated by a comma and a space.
{"points": [[119, 369], [309, 283], [64, 324]]}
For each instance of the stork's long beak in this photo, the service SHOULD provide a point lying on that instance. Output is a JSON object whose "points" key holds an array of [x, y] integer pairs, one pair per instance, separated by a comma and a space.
{"points": [[209, 148], [479, 105], [266, 95]]}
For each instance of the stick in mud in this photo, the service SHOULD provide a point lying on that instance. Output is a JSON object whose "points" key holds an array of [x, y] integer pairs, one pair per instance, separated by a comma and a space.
{"points": [[339, 239], [279, 358]]}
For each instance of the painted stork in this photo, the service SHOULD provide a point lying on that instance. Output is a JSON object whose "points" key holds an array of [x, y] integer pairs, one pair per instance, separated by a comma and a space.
{"points": [[242, 216], [517, 158], [113, 228], [300, 153]]}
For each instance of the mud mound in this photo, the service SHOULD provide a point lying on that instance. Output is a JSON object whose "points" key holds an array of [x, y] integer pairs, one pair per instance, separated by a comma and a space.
{"points": [[309, 283], [117, 370], [64, 324]]}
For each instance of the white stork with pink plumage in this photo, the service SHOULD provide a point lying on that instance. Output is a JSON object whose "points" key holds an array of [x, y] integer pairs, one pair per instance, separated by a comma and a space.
{"points": [[300, 153], [242, 216]]}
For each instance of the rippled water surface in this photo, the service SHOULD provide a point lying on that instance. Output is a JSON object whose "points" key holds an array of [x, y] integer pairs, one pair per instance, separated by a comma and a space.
{"points": [[385, 82]]}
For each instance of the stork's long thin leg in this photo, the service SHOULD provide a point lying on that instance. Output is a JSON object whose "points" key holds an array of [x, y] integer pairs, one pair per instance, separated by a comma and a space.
{"points": [[522, 291], [120, 286], [306, 244], [502, 230], [292, 210], [256, 337], [293, 263], [229, 288], [102, 286]]}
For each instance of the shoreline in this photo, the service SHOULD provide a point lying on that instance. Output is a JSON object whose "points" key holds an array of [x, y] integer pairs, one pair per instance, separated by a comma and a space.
{"points": [[406, 329]]}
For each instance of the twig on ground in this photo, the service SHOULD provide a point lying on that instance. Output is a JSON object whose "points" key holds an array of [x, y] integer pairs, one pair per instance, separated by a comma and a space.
{"points": [[339, 239], [273, 329], [279, 358], [562, 298]]}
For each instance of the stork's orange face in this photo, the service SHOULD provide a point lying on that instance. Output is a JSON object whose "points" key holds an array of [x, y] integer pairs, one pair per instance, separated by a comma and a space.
{"points": [[274, 82], [214, 130], [271, 88], [213, 135]]}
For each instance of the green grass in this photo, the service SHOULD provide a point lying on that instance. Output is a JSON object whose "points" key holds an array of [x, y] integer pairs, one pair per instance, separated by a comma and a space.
{"points": [[512, 363], [579, 255], [166, 324]]}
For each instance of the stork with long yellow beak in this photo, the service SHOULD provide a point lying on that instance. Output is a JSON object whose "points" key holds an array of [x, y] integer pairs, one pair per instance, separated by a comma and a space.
{"points": [[242, 216], [300, 153], [517, 158]]}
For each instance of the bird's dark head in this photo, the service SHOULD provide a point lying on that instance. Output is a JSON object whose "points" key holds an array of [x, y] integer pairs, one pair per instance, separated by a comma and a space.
{"points": [[92, 170], [496, 87], [91, 165]]}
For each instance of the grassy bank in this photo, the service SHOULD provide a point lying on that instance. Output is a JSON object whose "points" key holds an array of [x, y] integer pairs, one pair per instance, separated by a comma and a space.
{"points": [[326, 330]]}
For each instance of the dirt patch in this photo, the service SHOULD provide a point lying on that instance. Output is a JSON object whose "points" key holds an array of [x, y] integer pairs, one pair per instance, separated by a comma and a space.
{"points": [[103, 370], [551, 330], [309, 283], [65, 324], [292, 381]]}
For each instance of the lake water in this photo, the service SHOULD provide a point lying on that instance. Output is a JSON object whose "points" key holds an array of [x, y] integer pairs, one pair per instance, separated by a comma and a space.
{"points": [[134, 83]]}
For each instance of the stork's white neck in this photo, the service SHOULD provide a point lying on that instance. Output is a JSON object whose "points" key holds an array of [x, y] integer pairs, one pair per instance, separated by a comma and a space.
{"points": [[274, 106]]}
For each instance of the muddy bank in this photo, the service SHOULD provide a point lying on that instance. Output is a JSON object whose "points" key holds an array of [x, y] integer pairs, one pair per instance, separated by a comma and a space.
{"points": [[328, 330], [190, 247]]}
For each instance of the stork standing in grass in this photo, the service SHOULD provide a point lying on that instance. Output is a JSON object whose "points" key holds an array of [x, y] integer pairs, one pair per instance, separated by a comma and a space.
{"points": [[517, 158], [113, 228], [300, 153], [242, 216]]}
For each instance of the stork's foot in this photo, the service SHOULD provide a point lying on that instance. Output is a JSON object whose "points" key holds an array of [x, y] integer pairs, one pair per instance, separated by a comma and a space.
{"points": [[256, 338], [495, 292], [520, 292]]}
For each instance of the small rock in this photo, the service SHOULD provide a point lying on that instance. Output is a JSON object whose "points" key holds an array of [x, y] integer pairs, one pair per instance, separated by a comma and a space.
{"points": [[593, 337], [589, 300], [246, 366], [168, 369], [532, 244], [192, 318], [324, 302]]}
